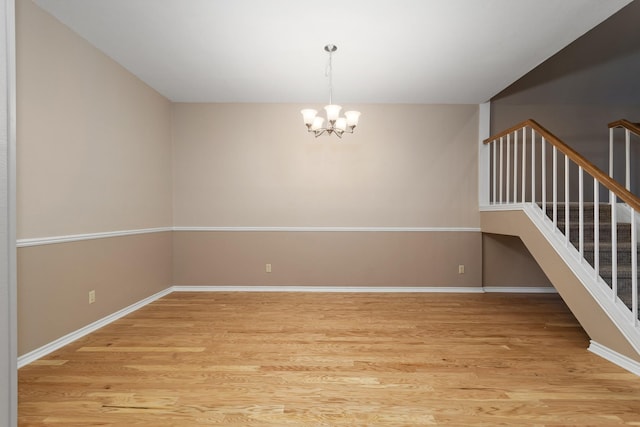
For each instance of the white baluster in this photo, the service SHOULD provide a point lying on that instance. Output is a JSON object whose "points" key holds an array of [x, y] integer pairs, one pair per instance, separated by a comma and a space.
{"points": [[634, 267], [554, 180], [611, 161], [611, 152], [508, 174], [627, 148], [524, 161], [533, 166], [581, 212], [567, 239], [596, 228], [493, 172], [515, 167], [543, 164], [500, 185], [614, 247]]}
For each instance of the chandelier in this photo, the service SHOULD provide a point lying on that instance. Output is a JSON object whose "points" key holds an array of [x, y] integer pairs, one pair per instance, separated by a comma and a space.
{"points": [[335, 125]]}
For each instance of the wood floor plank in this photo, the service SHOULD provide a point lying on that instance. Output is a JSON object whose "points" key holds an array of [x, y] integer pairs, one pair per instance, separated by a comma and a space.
{"points": [[193, 359]]}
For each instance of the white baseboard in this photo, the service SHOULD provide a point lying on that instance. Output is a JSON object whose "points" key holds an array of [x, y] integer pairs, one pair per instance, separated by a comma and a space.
{"points": [[521, 289], [615, 357], [335, 229], [369, 289], [360, 289], [27, 358]]}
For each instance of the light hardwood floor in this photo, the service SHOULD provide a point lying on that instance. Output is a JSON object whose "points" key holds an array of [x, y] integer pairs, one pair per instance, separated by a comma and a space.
{"points": [[195, 359]]}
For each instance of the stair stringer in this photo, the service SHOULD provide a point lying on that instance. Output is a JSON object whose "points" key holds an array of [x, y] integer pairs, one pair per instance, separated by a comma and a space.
{"points": [[607, 322]]}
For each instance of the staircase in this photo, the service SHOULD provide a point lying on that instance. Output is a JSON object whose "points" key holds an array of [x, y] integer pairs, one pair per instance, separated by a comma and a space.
{"points": [[536, 187], [605, 266]]}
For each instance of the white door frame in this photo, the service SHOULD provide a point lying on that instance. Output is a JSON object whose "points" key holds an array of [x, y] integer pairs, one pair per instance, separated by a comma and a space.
{"points": [[8, 286]]}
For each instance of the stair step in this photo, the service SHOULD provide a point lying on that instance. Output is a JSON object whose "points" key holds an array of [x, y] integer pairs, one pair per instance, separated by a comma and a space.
{"points": [[623, 231], [574, 211], [624, 272], [623, 257]]}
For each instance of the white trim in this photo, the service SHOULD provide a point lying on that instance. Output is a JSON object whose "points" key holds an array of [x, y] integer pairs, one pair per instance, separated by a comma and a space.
{"points": [[69, 338], [503, 207], [355, 289], [334, 229], [38, 241], [615, 357], [484, 159], [521, 289], [8, 263], [21, 243]]}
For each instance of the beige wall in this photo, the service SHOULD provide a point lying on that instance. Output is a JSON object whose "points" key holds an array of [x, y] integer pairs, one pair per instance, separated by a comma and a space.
{"points": [[327, 258], [54, 282], [506, 262], [94, 155], [94, 150], [255, 165]]}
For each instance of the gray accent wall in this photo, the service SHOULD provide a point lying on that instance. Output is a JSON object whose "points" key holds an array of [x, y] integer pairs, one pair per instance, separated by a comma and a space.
{"points": [[575, 94]]}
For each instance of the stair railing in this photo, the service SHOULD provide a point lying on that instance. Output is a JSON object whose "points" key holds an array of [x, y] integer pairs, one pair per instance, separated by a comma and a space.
{"points": [[521, 172], [630, 129]]}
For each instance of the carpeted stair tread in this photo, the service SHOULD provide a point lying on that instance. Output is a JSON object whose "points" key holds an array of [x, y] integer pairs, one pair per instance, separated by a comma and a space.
{"points": [[574, 211], [623, 232], [624, 271]]}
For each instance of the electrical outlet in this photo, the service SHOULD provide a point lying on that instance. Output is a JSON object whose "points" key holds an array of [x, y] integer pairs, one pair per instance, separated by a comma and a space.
{"points": [[461, 269], [92, 297], [267, 268]]}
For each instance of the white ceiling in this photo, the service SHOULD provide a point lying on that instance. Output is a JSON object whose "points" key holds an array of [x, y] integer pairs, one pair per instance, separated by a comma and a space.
{"points": [[389, 51]]}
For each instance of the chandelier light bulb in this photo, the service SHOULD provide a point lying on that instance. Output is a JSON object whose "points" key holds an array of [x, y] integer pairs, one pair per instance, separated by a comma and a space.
{"points": [[335, 124]]}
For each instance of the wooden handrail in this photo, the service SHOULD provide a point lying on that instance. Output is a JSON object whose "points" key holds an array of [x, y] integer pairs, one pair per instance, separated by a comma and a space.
{"points": [[611, 184], [622, 123]]}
